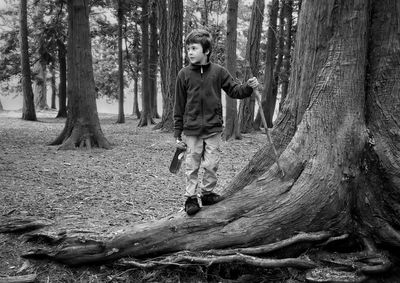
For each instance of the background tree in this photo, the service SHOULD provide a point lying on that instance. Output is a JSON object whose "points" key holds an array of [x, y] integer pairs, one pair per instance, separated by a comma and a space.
{"points": [[82, 127], [39, 74], [231, 124], [120, 16], [146, 115], [246, 106], [270, 83], [28, 107], [162, 22], [153, 58], [288, 42], [62, 86]]}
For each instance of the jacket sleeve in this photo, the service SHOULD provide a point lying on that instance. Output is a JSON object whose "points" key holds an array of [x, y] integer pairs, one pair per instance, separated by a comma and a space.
{"points": [[233, 88], [179, 105]]}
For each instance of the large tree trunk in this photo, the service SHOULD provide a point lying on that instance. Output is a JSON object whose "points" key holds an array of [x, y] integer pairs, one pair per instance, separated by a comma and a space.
{"points": [[82, 127], [174, 57], [28, 107], [339, 148], [231, 124]]}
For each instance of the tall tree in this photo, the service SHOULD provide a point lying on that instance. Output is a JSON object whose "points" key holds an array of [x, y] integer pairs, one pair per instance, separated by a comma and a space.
{"points": [[162, 22], [39, 74], [287, 49], [231, 124], [270, 82], [53, 86], [146, 116], [175, 45], [82, 127], [28, 107], [62, 85], [246, 106], [153, 57], [120, 16]]}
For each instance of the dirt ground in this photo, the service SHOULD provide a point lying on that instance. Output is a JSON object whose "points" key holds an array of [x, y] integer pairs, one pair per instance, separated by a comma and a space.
{"points": [[95, 192]]}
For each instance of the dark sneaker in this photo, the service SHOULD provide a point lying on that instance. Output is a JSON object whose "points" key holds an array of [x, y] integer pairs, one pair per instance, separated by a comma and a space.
{"points": [[211, 198], [192, 206]]}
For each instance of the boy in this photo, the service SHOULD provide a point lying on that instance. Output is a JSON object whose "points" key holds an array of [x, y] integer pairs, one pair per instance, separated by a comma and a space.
{"points": [[198, 114]]}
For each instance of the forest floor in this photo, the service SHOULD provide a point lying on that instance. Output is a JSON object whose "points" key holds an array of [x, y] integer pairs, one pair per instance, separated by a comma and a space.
{"points": [[95, 191]]}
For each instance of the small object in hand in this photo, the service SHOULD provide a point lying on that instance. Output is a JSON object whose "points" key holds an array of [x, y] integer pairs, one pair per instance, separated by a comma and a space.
{"points": [[177, 160]]}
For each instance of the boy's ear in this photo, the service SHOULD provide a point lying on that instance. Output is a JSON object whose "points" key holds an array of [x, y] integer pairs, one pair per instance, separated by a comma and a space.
{"points": [[207, 52]]}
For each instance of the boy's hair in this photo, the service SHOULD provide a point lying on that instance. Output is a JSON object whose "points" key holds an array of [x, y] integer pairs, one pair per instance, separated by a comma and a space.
{"points": [[200, 36]]}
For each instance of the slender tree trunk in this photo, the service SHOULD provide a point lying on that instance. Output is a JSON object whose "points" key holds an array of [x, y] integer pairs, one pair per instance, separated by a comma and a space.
{"points": [[246, 106], [163, 62], [82, 127], [231, 124], [28, 107], [153, 59], [1, 106], [62, 87], [40, 85], [53, 86], [121, 115], [270, 85], [277, 51], [146, 116], [288, 42], [135, 110]]}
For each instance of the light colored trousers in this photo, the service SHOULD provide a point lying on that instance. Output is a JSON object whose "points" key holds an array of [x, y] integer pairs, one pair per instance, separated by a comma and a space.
{"points": [[202, 152]]}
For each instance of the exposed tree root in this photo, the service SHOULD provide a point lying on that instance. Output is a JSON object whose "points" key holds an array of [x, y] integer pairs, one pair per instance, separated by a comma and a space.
{"points": [[19, 279], [17, 224], [265, 249], [323, 266], [189, 258]]}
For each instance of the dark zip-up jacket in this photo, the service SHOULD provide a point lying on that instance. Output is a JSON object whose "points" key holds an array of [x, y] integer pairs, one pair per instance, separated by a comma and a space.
{"points": [[198, 106]]}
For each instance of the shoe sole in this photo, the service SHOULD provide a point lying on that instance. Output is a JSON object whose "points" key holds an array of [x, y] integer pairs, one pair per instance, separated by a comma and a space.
{"points": [[192, 211]]}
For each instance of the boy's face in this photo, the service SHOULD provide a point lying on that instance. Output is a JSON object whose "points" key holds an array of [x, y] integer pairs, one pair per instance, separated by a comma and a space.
{"points": [[195, 53]]}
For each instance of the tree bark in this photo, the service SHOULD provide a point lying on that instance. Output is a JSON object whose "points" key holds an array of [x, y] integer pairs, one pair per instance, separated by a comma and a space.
{"points": [[153, 58], [163, 62], [288, 42], [246, 106], [62, 86], [269, 93], [231, 123], [28, 107], [120, 15], [82, 127], [53, 86], [338, 142], [175, 46], [146, 116]]}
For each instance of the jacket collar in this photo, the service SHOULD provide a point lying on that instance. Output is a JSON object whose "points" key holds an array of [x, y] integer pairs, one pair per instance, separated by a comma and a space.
{"points": [[198, 66]]}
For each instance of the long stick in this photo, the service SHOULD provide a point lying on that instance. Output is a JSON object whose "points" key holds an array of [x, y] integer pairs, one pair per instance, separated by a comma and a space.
{"points": [[257, 95]]}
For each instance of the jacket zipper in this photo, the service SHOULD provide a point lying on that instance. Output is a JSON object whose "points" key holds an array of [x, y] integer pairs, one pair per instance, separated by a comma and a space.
{"points": [[202, 107]]}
